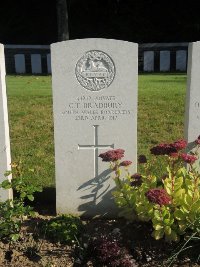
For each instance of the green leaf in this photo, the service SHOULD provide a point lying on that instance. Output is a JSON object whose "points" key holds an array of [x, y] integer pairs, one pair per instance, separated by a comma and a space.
{"points": [[22, 195], [158, 234], [179, 215], [7, 173], [168, 230], [6, 184], [196, 206], [15, 237], [158, 227], [179, 193], [178, 183], [188, 200], [182, 226], [173, 236], [157, 215], [30, 197]]}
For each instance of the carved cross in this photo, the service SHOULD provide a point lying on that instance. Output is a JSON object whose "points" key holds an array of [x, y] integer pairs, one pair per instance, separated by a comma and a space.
{"points": [[96, 148]]}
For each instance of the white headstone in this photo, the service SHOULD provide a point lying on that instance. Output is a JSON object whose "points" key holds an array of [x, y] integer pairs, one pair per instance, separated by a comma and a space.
{"points": [[20, 66], [181, 60], [36, 63], [49, 63], [95, 110], [148, 61], [5, 159], [164, 60], [192, 114]]}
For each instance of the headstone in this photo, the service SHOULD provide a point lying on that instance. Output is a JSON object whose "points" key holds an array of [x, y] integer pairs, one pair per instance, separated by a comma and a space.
{"points": [[192, 114], [36, 63], [181, 60], [95, 110], [49, 63], [148, 61], [164, 60], [5, 159], [20, 66]]}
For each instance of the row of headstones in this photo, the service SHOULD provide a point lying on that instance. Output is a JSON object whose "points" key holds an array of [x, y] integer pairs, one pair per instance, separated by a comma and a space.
{"points": [[165, 61], [36, 64], [95, 109], [148, 62]]}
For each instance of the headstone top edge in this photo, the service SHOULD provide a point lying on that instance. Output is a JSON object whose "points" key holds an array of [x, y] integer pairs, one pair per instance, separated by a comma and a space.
{"points": [[93, 39], [194, 43]]}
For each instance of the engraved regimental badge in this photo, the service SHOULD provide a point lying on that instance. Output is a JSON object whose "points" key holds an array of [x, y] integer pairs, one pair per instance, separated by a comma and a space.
{"points": [[95, 70]]}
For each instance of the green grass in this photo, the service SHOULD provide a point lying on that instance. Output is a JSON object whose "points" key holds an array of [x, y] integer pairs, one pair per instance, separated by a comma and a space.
{"points": [[161, 104], [31, 125], [160, 118]]}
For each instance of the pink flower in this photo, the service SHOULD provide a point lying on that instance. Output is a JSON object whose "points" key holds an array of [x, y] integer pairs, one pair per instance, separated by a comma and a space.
{"points": [[163, 149], [112, 155], [197, 141], [136, 179], [158, 196], [179, 144], [125, 163], [188, 158], [142, 159], [169, 149]]}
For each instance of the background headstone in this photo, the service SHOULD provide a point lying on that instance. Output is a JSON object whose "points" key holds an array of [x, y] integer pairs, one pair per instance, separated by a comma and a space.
{"points": [[164, 60], [36, 64], [181, 60], [192, 116], [5, 158], [20, 66], [148, 61], [48, 63], [95, 110]]}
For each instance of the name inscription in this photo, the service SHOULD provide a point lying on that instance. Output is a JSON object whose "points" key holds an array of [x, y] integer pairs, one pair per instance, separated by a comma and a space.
{"points": [[97, 108]]}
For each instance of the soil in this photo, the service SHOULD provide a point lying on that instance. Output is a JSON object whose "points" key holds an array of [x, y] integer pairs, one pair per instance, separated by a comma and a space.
{"points": [[135, 237]]}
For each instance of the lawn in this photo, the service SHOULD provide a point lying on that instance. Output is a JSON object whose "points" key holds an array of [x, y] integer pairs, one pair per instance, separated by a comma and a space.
{"points": [[160, 118]]}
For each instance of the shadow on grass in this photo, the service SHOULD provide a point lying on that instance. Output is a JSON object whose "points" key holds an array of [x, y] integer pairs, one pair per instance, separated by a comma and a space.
{"points": [[44, 202]]}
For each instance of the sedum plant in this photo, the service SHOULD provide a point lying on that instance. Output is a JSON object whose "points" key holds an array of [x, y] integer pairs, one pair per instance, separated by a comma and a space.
{"points": [[170, 201]]}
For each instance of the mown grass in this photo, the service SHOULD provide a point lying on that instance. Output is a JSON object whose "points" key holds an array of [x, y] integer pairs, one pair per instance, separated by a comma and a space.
{"points": [[160, 118]]}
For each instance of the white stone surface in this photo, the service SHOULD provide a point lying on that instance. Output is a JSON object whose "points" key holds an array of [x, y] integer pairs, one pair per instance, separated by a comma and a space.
{"points": [[192, 111], [20, 66], [5, 158], [148, 61], [49, 63], [36, 63], [87, 123], [181, 60], [164, 60]]}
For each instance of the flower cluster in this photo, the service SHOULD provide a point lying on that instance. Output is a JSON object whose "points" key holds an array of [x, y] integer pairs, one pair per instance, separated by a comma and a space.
{"points": [[125, 163], [197, 141], [188, 158], [168, 149], [112, 155], [136, 179], [142, 159], [108, 251], [158, 196], [179, 144], [163, 149]]}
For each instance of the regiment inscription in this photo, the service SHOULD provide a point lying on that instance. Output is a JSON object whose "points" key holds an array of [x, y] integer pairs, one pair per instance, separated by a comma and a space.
{"points": [[95, 70]]}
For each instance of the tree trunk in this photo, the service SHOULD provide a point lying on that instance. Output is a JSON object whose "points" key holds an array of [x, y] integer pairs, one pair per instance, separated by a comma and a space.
{"points": [[62, 20]]}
